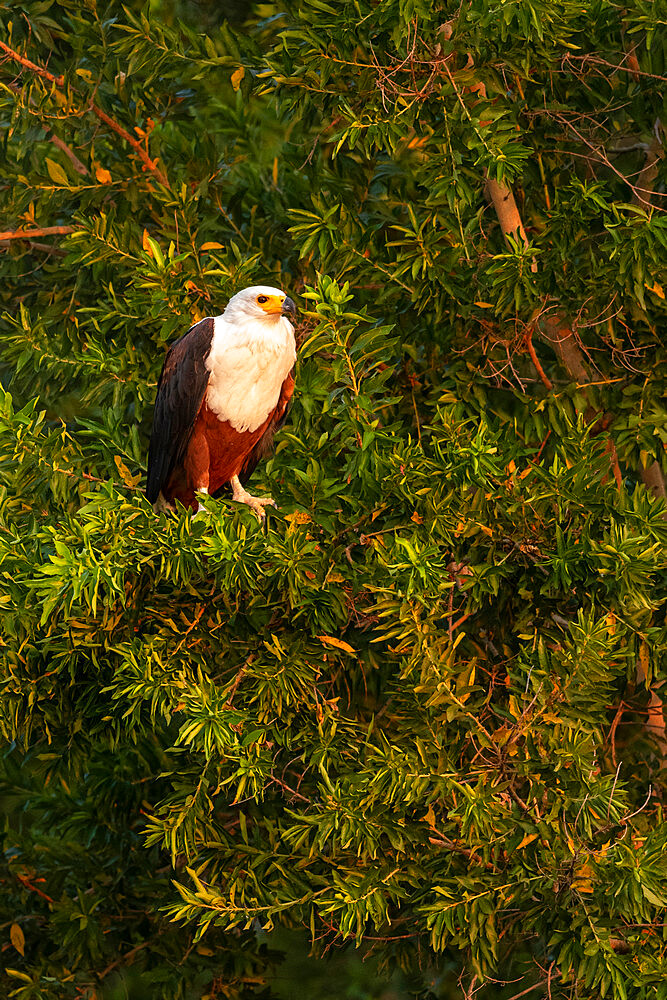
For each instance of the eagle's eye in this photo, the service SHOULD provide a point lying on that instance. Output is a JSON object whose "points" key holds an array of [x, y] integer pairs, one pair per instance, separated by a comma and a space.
{"points": [[262, 299]]}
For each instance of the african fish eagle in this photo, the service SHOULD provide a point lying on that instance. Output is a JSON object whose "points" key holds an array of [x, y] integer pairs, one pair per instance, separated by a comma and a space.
{"points": [[223, 392]]}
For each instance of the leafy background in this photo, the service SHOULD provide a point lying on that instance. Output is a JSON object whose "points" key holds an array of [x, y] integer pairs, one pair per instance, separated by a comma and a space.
{"points": [[417, 720]]}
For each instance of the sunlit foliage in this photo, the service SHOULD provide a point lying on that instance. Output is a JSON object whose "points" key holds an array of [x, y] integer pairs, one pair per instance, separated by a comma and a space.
{"points": [[420, 711]]}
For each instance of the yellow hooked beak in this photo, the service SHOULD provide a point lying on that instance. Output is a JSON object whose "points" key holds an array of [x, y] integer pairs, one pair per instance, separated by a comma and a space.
{"points": [[276, 304]]}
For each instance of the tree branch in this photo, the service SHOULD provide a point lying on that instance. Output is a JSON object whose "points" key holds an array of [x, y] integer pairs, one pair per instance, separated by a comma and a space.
{"points": [[44, 73], [59, 81], [80, 167], [569, 353], [29, 234], [653, 480], [509, 217], [56, 140], [546, 381], [139, 149]]}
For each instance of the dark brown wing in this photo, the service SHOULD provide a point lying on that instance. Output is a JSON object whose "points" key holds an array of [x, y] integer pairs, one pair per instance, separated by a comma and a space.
{"points": [[180, 392], [264, 444]]}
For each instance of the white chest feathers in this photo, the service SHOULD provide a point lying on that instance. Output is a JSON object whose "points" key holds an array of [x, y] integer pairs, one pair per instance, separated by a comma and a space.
{"points": [[248, 362]]}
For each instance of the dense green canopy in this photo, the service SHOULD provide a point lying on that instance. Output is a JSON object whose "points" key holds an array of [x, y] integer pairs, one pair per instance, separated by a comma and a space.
{"points": [[420, 711]]}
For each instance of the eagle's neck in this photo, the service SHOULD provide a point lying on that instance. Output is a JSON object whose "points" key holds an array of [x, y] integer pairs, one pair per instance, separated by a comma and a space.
{"points": [[249, 360]]}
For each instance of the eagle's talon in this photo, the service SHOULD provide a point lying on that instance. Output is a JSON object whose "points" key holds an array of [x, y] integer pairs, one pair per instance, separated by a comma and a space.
{"points": [[256, 504]]}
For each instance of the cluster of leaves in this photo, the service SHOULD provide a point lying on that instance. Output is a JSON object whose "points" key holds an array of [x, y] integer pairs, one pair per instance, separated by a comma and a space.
{"points": [[420, 710]]}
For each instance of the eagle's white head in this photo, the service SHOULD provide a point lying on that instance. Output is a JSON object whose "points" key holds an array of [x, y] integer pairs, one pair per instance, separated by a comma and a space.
{"points": [[259, 302]]}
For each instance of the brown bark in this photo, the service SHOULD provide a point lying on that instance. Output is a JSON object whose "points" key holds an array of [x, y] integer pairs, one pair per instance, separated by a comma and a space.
{"points": [[654, 480], [546, 381], [501, 196], [80, 167], [44, 73], [29, 234], [651, 475], [655, 722], [504, 202], [571, 357], [569, 353]]}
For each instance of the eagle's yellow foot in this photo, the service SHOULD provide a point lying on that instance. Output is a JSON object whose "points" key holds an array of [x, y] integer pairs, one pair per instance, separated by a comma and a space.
{"points": [[256, 504]]}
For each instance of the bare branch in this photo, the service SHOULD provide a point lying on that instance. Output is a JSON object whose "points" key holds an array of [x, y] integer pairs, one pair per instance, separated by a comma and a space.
{"points": [[29, 234]]}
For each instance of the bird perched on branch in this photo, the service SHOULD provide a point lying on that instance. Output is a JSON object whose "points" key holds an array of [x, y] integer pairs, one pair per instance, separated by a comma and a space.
{"points": [[223, 392]]}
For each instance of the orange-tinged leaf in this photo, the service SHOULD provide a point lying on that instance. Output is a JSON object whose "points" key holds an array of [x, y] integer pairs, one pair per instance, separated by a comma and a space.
{"points": [[429, 817], [212, 246], [484, 305], [103, 176], [656, 289], [237, 76], [582, 880], [17, 938], [527, 839], [417, 518], [128, 478], [330, 640], [298, 517], [146, 243]]}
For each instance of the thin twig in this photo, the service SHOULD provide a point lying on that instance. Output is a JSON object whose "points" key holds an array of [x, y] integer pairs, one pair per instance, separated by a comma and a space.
{"points": [[80, 167], [58, 80], [123, 958], [548, 384], [292, 791], [139, 149]]}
